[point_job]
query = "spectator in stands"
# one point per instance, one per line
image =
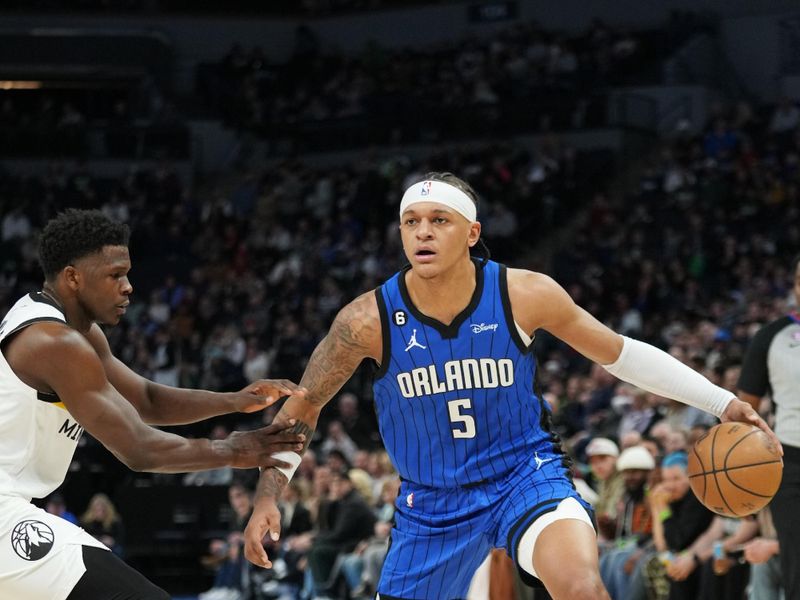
(338, 440)
(765, 567)
(785, 118)
(724, 572)
(226, 555)
(55, 506)
(362, 567)
(359, 424)
(678, 520)
(353, 522)
(602, 455)
(638, 415)
(633, 527)
(102, 521)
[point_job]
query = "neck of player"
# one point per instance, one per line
(76, 318)
(444, 296)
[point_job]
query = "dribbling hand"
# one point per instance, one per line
(263, 393)
(739, 410)
(266, 518)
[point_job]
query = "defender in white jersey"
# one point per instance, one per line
(491, 493)
(57, 378)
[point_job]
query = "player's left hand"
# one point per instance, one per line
(263, 393)
(739, 410)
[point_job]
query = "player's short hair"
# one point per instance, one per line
(456, 182)
(76, 233)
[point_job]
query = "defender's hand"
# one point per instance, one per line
(255, 448)
(263, 393)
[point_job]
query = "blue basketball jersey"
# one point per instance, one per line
(456, 403)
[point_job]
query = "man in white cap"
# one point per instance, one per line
(601, 454)
(634, 523)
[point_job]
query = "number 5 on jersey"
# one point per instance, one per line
(466, 421)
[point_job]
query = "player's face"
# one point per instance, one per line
(102, 284)
(435, 237)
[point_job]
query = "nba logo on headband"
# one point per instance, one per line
(441, 192)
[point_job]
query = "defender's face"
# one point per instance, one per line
(435, 237)
(102, 285)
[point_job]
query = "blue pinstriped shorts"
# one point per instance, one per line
(441, 536)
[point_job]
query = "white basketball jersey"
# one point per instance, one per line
(38, 436)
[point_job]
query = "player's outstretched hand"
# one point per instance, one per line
(264, 392)
(255, 448)
(739, 410)
(266, 518)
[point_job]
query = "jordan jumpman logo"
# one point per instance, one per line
(413, 343)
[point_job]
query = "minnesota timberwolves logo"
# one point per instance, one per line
(32, 540)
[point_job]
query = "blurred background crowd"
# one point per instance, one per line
(680, 231)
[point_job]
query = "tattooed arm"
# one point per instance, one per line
(354, 335)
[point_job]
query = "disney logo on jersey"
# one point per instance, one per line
(478, 328)
(464, 374)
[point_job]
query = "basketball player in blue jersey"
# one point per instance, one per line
(59, 377)
(457, 410)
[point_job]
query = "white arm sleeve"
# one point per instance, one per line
(654, 370)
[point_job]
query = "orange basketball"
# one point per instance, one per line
(735, 469)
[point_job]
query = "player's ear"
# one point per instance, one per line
(72, 276)
(474, 233)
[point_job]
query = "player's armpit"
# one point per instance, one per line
(61, 359)
(537, 301)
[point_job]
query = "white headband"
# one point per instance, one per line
(442, 193)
